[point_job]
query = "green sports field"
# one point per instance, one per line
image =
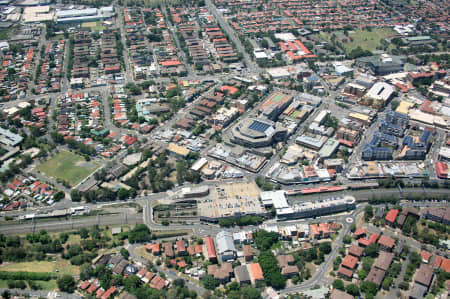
(69, 167)
(367, 40)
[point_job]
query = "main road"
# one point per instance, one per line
(252, 67)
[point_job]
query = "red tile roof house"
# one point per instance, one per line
(320, 230)
(191, 250)
(211, 251)
(99, 293)
(386, 243)
(181, 264)
(391, 216)
(360, 232)
(157, 283)
(436, 261)
(363, 242)
(344, 272)
(181, 247)
(349, 262)
(198, 249)
(425, 255)
(108, 293)
(373, 238)
(153, 248)
(356, 251)
(84, 285)
(141, 273)
(445, 265)
(156, 250)
(148, 277)
(94, 286)
(168, 250)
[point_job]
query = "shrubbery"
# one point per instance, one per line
(20, 275)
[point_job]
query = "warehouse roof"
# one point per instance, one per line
(225, 242)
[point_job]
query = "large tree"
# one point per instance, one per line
(352, 289)
(131, 283)
(66, 283)
(209, 282)
(339, 284)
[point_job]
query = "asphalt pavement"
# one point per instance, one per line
(41, 294)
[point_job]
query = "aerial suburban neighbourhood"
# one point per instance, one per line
(224, 149)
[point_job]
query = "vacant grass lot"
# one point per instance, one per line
(63, 266)
(69, 167)
(367, 40)
(48, 285)
(44, 285)
(94, 26)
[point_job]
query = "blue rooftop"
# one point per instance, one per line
(259, 126)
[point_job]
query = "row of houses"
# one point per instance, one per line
(95, 60)
(15, 72)
(221, 251)
(395, 218)
(27, 191)
(49, 77)
(276, 15)
(140, 54)
(122, 267)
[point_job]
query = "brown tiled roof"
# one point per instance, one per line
(386, 241)
(247, 250)
(168, 249)
(227, 267)
(344, 271)
(376, 276)
(384, 260)
(221, 274)
(212, 269)
(338, 294)
(355, 250)
(289, 270)
(285, 260)
(424, 275)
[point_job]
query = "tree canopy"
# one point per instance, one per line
(66, 283)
